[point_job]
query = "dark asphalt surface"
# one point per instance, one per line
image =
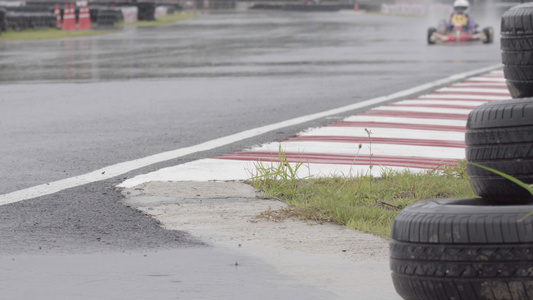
(69, 107)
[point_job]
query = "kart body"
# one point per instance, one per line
(457, 33)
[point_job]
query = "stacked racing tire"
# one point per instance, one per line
(480, 248)
(517, 50)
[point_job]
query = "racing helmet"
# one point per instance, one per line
(461, 6)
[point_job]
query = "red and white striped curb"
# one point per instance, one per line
(418, 134)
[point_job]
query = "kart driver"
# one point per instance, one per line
(460, 17)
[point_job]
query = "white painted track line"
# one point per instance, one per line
(386, 133)
(352, 149)
(466, 97)
(425, 109)
(360, 118)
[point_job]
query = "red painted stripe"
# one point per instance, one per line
(398, 125)
(435, 105)
(390, 161)
(470, 93)
(377, 140)
(416, 115)
(455, 99)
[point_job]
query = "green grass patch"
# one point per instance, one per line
(46, 34)
(164, 20)
(366, 203)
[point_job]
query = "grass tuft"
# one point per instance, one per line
(366, 203)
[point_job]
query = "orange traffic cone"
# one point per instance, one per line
(68, 18)
(57, 12)
(72, 17)
(84, 19)
(356, 7)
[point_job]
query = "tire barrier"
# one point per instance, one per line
(28, 20)
(303, 7)
(480, 248)
(109, 16)
(419, 9)
(499, 133)
(27, 17)
(146, 11)
(3, 22)
(37, 14)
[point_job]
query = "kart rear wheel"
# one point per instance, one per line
(431, 31)
(489, 33)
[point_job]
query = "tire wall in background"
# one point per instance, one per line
(3, 24)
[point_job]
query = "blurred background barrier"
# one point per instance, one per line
(160, 11)
(27, 20)
(109, 16)
(130, 13)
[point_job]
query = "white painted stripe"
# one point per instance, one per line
(223, 169)
(425, 109)
(352, 148)
(392, 133)
(475, 90)
(463, 97)
(122, 168)
(359, 118)
(440, 102)
(492, 84)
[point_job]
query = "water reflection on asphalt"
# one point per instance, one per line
(233, 44)
(203, 273)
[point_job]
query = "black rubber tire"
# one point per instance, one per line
(520, 89)
(500, 114)
(518, 73)
(517, 44)
(500, 136)
(517, 21)
(430, 33)
(489, 32)
(517, 58)
(462, 249)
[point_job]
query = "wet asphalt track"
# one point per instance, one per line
(73, 106)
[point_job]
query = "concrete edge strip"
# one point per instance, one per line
(125, 167)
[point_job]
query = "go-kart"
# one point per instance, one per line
(456, 33)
